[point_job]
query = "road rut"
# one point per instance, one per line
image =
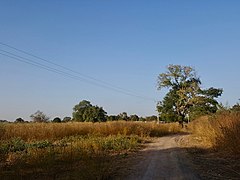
(163, 159)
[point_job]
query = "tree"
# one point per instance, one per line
(66, 119)
(134, 117)
(123, 116)
(39, 117)
(80, 109)
(19, 120)
(207, 103)
(112, 118)
(57, 120)
(235, 107)
(142, 119)
(185, 95)
(86, 112)
(166, 108)
(3, 121)
(151, 118)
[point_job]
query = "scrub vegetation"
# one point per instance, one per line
(220, 132)
(88, 150)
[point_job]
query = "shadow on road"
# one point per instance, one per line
(164, 159)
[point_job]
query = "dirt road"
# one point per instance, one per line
(163, 159)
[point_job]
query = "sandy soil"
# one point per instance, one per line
(176, 157)
(209, 164)
(162, 159)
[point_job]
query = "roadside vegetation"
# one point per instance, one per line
(88, 150)
(219, 132)
(214, 144)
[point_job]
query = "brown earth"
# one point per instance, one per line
(175, 157)
(160, 159)
(210, 164)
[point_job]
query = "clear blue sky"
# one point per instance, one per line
(125, 43)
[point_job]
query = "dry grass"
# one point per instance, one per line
(54, 131)
(204, 131)
(220, 132)
(228, 138)
(86, 150)
(90, 156)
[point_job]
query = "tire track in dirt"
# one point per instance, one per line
(163, 159)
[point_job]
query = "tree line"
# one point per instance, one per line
(84, 111)
(185, 101)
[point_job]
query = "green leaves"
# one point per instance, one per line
(39, 117)
(175, 76)
(86, 112)
(185, 95)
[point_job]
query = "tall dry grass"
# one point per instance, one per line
(229, 137)
(54, 131)
(90, 157)
(84, 149)
(220, 132)
(204, 130)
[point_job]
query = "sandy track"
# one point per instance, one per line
(163, 159)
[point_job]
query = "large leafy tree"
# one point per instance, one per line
(123, 116)
(207, 103)
(134, 117)
(185, 96)
(86, 112)
(39, 116)
(56, 120)
(19, 120)
(236, 107)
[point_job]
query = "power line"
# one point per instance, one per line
(42, 66)
(66, 68)
(70, 75)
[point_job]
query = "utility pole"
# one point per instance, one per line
(158, 119)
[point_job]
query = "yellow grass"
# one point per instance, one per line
(229, 137)
(205, 131)
(86, 149)
(220, 132)
(53, 131)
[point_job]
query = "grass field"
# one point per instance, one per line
(90, 150)
(87, 150)
(219, 132)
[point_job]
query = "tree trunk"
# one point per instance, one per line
(181, 121)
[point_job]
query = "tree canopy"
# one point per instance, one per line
(39, 116)
(86, 112)
(19, 120)
(185, 96)
(56, 120)
(66, 119)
